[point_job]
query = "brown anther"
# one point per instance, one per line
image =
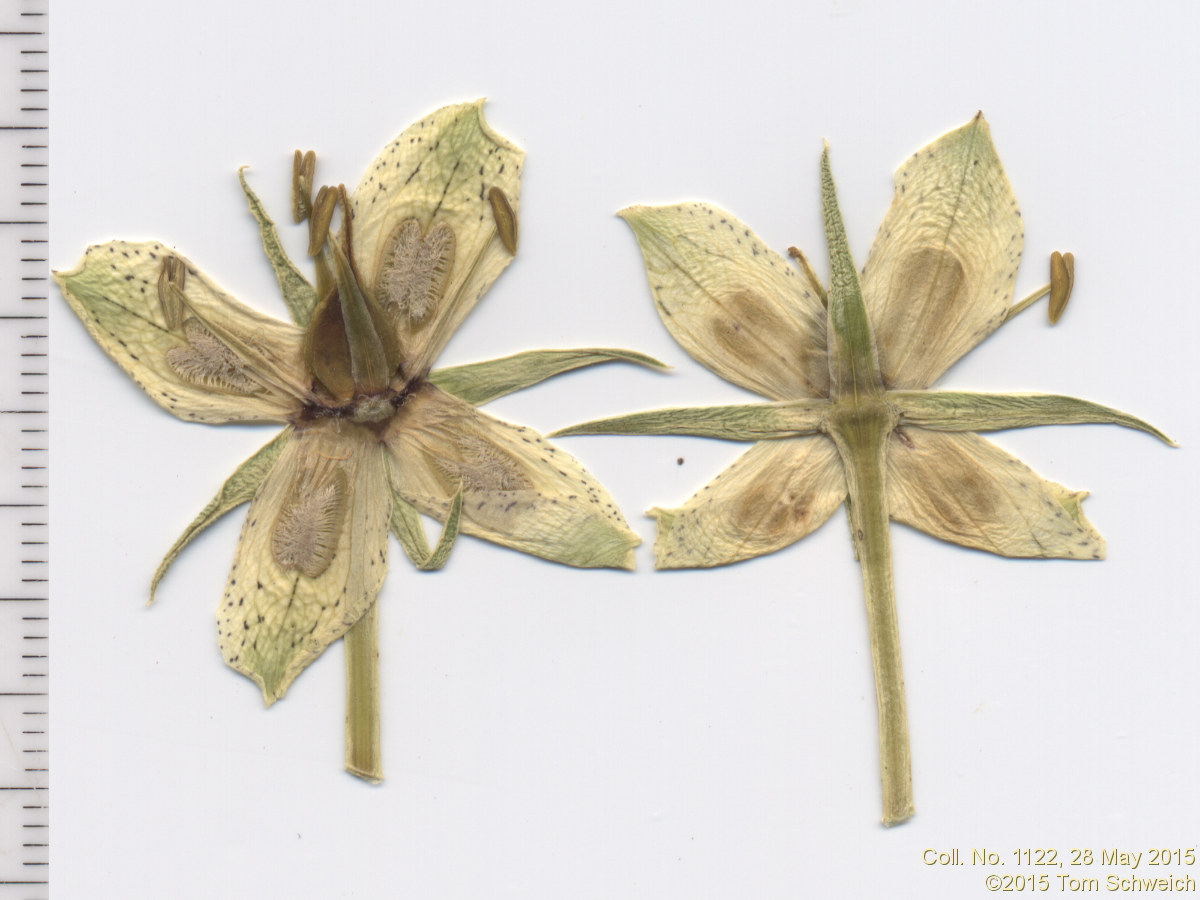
(805, 266)
(1062, 280)
(322, 215)
(347, 223)
(506, 219)
(171, 276)
(303, 168)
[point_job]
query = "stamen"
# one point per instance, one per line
(322, 215)
(1062, 280)
(506, 219)
(303, 168)
(806, 267)
(347, 225)
(171, 277)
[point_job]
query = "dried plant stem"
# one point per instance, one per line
(362, 698)
(861, 440)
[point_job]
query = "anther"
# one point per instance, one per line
(1062, 280)
(322, 215)
(806, 267)
(303, 168)
(506, 219)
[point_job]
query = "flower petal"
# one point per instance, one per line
(425, 200)
(519, 490)
(210, 359)
(311, 558)
(774, 494)
(964, 489)
(732, 303)
(940, 275)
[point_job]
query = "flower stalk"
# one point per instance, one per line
(362, 698)
(861, 440)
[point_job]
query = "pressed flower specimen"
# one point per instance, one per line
(372, 437)
(848, 369)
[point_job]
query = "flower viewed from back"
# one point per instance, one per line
(371, 436)
(849, 370)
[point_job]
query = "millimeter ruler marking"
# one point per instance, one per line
(24, 450)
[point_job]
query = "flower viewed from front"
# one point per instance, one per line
(373, 438)
(849, 370)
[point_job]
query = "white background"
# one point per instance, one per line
(550, 733)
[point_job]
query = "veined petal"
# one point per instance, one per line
(208, 359)
(518, 489)
(964, 489)
(732, 303)
(774, 494)
(425, 237)
(940, 275)
(311, 558)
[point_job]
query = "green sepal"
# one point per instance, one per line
(751, 422)
(238, 489)
(853, 366)
(478, 383)
(965, 411)
(299, 296)
(441, 552)
(406, 525)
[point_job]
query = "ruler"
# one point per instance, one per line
(24, 450)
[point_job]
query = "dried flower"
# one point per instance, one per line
(372, 436)
(848, 370)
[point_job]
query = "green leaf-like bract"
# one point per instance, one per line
(748, 422)
(965, 411)
(441, 552)
(406, 526)
(478, 383)
(238, 489)
(298, 294)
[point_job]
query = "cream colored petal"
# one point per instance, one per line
(435, 176)
(311, 558)
(966, 490)
(733, 304)
(940, 275)
(774, 494)
(519, 490)
(212, 359)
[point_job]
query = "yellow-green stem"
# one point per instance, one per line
(362, 698)
(861, 436)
